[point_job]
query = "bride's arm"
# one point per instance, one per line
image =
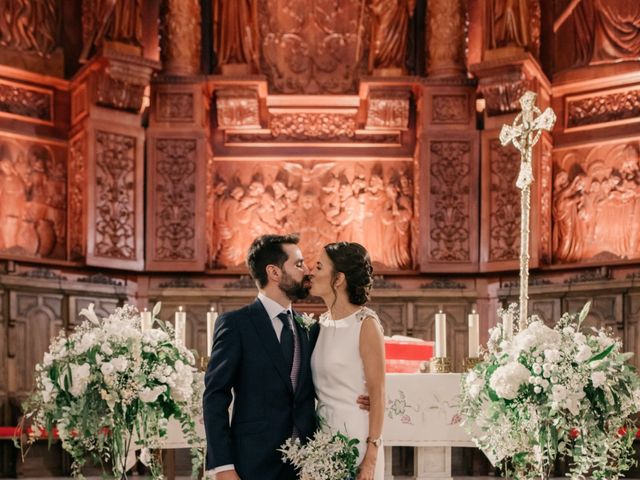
(372, 354)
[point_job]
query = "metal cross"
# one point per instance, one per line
(524, 133)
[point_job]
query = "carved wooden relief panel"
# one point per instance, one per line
(34, 320)
(77, 195)
(31, 28)
(450, 194)
(25, 102)
(313, 47)
(604, 107)
(500, 204)
(325, 201)
(545, 183)
(115, 186)
(596, 203)
(33, 197)
(175, 232)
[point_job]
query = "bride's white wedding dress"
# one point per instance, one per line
(338, 376)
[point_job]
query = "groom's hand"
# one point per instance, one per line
(363, 402)
(227, 475)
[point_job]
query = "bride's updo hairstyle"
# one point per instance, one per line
(352, 259)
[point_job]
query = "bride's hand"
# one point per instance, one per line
(367, 469)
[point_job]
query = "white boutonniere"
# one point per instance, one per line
(305, 320)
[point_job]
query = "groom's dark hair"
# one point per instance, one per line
(267, 250)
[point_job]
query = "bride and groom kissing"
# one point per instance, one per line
(283, 374)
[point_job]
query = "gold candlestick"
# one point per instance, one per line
(204, 363)
(440, 365)
(471, 362)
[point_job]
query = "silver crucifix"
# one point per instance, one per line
(524, 133)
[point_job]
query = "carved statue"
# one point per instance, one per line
(29, 26)
(235, 32)
(603, 31)
(389, 33)
(126, 25)
(508, 24)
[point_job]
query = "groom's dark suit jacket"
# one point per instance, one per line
(247, 358)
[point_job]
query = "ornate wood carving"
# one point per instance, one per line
(180, 36)
(311, 48)
(174, 107)
(77, 197)
(502, 94)
(514, 23)
(450, 202)
(33, 197)
(235, 30)
(504, 203)
(116, 20)
(389, 34)
(596, 203)
(450, 109)
(545, 183)
(174, 199)
(323, 201)
(388, 110)
(29, 26)
(317, 126)
(446, 37)
(604, 108)
(237, 108)
(115, 196)
(119, 93)
(598, 32)
(27, 103)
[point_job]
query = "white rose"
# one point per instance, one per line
(120, 364)
(552, 355)
(507, 379)
(149, 395)
(584, 354)
(558, 393)
(79, 378)
(107, 369)
(537, 369)
(580, 339)
(106, 349)
(537, 389)
(598, 379)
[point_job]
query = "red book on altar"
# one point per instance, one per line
(406, 354)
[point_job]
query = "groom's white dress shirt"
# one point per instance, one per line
(273, 309)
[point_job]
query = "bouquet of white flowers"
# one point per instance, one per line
(554, 391)
(109, 383)
(327, 456)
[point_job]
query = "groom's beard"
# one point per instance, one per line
(293, 289)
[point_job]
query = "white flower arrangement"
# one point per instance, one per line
(550, 392)
(109, 383)
(326, 456)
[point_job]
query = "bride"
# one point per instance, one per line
(348, 358)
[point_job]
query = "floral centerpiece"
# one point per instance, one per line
(109, 387)
(549, 392)
(327, 456)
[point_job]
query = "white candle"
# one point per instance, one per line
(146, 320)
(507, 326)
(212, 316)
(181, 326)
(474, 335)
(441, 335)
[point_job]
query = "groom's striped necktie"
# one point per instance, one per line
(290, 344)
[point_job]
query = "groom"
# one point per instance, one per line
(263, 355)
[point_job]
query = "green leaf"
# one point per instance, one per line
(156, 309)
(584, 312)
(602, 354)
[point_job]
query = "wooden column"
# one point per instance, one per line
(177, 148)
